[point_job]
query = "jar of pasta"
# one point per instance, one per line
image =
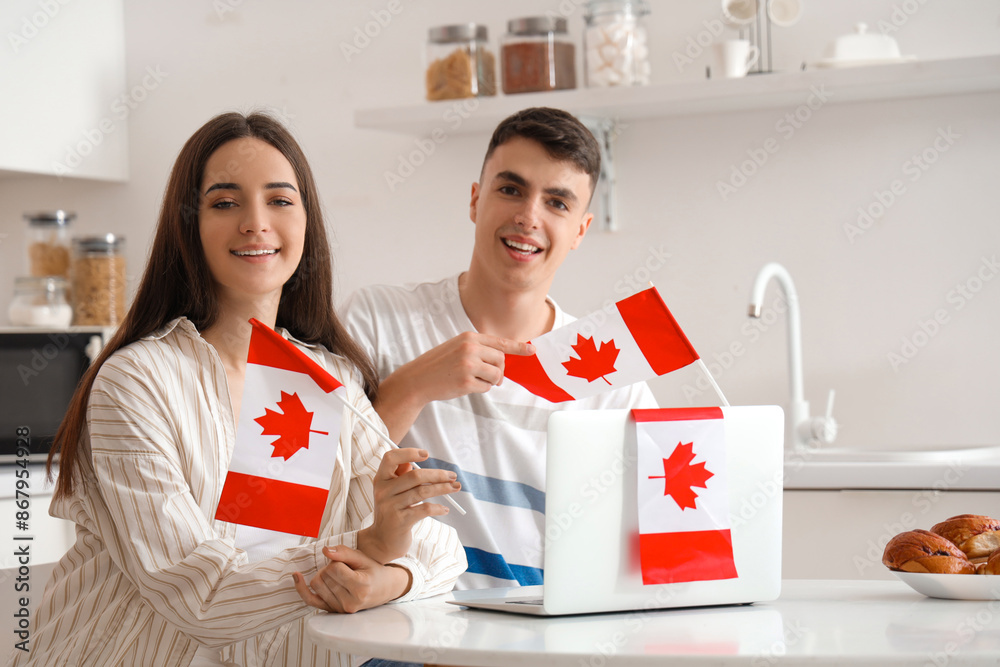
(47, 241)
(459, 62)
(97, 277)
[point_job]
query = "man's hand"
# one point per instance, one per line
(469, 363)
(351, 582)
(399, 492)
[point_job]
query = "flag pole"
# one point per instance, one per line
(384, 436)
(704, 369)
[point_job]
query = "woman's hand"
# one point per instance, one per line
(351, 582)
(400, 491)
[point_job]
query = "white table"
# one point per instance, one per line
(827, 622)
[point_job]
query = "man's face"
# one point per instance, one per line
(530, 210)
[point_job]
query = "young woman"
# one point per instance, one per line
(154, 579)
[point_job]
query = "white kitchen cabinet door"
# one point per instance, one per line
(62, 80)
(842, 534)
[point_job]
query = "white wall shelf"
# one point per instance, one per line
(959, 76)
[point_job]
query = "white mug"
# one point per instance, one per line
(734, 57)
(739, 12)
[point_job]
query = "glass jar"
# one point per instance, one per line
(537, 55)
(614, 42)
(47, 243)
(40, 302)
(98, 280)
(460, 63)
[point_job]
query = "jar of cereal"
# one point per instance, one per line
(98, 280)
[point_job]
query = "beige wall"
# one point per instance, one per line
(859, 300)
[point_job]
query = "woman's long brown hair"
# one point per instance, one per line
(177, 281)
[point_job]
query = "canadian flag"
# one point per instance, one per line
(286, 441)
(637, 340)
(683, 495)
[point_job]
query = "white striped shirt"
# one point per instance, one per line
(494, 442)
(152, 574)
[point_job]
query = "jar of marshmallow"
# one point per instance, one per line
(614, 41)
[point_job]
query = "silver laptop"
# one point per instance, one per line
(592, 519)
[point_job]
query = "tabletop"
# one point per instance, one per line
(813, 622)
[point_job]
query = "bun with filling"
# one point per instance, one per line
(923, 551)
(992, 566)
(977, 536)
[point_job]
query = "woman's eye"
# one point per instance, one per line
(283, 202)
(224, 203)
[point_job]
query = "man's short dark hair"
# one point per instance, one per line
(559, 132)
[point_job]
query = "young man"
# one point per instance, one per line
(439, 347)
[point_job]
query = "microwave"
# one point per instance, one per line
(39, 372)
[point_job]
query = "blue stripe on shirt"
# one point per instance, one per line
(492, 489)
(494, 565)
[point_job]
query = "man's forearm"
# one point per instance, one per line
(397, 405)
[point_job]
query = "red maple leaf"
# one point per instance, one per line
(292, 424)
(593, 363)
(679, 476)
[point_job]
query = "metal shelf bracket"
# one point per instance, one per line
(605, 130)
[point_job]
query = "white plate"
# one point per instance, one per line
(953, 586)
(834, 63)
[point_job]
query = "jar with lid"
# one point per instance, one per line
(98, 280)
(615, 48)
(459, 62)
(47, 243)
(537, 55)
(40, 301)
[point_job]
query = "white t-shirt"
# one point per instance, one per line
(495, 441)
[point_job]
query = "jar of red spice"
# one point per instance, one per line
(537, 55)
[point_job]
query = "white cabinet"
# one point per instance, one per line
(62, 73)
(831, 534)
(50, 537)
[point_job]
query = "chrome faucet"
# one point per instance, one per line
(803, 431)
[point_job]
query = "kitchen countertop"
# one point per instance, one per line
(815, 622)
(941, 470)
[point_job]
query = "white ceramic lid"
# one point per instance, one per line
(863, 45)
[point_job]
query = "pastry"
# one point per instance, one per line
(977, 536)
(991, 566)
(923, 551)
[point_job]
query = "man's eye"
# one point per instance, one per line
(508, 190)
(556, 203)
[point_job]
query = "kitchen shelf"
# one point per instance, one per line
(958, 76)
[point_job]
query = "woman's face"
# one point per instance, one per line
(251, 220)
